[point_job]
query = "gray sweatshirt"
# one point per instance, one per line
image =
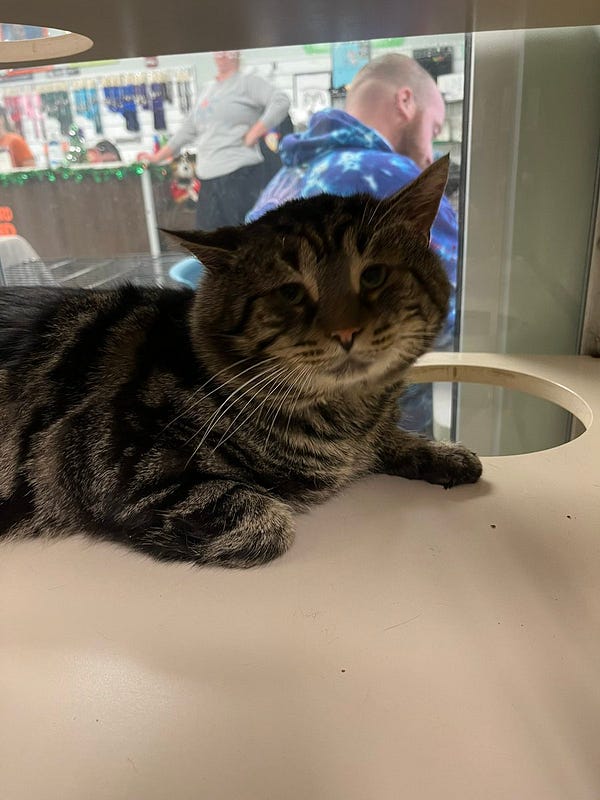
(223, 114)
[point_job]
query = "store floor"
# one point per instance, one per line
(414, 643)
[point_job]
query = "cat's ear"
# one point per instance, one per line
(215, 249)
(417, 204)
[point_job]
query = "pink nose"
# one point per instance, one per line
(346, 337)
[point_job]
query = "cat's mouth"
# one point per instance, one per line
(351, 365)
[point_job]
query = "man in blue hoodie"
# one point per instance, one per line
(381, 142)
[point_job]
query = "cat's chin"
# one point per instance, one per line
(350, 367)
(356, 369)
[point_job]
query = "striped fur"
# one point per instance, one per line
(190, 426)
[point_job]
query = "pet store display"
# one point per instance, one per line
(45, 111)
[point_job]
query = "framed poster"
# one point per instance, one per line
(311, 92)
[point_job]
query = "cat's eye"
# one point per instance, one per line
(292, 293)
(373, 277)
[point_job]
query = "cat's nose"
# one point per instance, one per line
(346, 337)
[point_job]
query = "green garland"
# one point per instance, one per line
(376, 44)
(101, 175)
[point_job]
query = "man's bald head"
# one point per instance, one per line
(399, 99)
(389, 73)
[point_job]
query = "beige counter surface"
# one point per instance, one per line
(415, 644)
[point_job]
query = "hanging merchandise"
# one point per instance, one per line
(44, 111)
(55, 154)
(121, 100)
(13, 106)
(25, 111)
(129, 108)
(32, 109)
(58, 105)
(159, 92)
(77, 152)
(167, 91)
(87, 105)
(141, 94)
(111, 98)
(184, 93)
(129, 93)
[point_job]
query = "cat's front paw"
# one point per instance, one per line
(454, 465)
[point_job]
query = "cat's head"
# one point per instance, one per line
(336, 289)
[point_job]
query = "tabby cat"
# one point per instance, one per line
(191, 425)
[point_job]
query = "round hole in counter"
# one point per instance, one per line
(501, 412)
(24, 43)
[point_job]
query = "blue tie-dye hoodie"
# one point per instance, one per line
(337, 154)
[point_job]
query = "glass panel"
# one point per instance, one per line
(88, 210)
(535, 132)
(88, 126)
(133, 106)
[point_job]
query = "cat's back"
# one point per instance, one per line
(41, 323)
(24, 313)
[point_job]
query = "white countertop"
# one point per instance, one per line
(414, 644)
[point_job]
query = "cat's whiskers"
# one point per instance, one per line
(375, 210)
(281, 404)
(362, 218)
(272, 410)
(293, 411)
(278, 380)
(239, 375)
(253, 383)
(191, 402)
(308, 377)
(215, 416)
(382, 218)
(220, 412)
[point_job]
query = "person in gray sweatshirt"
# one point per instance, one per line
(233, 112)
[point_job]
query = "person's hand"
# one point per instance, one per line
(256, 132)
(250, 139)
(146, 158)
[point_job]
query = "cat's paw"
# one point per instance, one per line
(454, 465)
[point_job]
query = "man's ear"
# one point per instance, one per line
(417, 204)
(215, 249)
(405, 103)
